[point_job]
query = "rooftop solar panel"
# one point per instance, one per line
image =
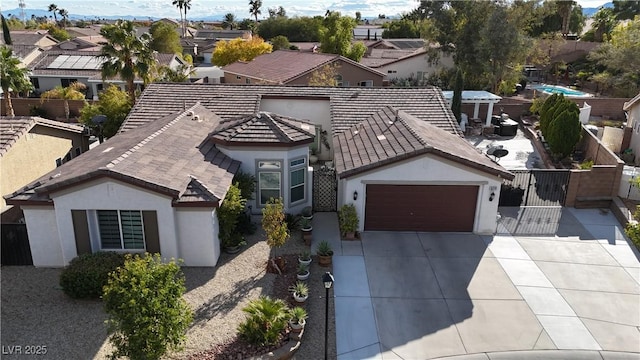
(55, 64)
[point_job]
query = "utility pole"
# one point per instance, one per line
(22, 6)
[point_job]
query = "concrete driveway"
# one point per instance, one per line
(551, 279)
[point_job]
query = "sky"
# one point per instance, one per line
(204, 8)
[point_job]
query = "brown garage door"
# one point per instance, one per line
(420, 207)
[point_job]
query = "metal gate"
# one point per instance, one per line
(539, 187)
(15, 245)
(325, 189)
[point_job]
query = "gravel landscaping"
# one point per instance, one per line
(36, 312)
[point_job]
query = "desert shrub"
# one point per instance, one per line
(228, 214)
(246, 183)
(266, 319)
(633, 228)
(85, 275)
(293, 221)
(147, 314)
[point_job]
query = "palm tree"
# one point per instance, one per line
(12, 77)
(126, 55)
(71, 92)
(65, 16)
(229, 21)
(187, 6)
(54, 9)
(254, 8)
(180, 4)
(564, 8)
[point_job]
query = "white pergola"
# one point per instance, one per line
(476, 98)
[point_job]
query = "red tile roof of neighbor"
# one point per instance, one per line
(12, 129)
(283, 66)
(391, 135)
(170, 155)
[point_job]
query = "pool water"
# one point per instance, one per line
(552, 89)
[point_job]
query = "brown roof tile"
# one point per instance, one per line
(391, 135)
(264, 128)
(170, 155)
(349, 106)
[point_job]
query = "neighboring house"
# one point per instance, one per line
(300, 66)
(32, 146)
(404, 59)
(88, 43)
(64, 67)
(198, 47)
(368, 32)
(89, 31)
(632, 109)
(39, 38)
(26, 53)
(399, 157)
(223, 34)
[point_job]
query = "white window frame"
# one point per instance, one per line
(262, 167)
(298, 164)
(122, 245)
(366, 83)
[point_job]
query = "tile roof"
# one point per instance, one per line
(280, 66)
(21, 51)
(11, 129)
(264, 128)
(171, 156)
(348, 105)
(381, 57)
(28, 37)
(391, 135)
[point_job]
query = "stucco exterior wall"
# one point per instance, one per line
(33, 155)
(43, 236)
(427, 170)
(198, 236)
(318, 111)
(409, 68)
(248, 157)
(108, 194)
(633, 121)
(351, 75)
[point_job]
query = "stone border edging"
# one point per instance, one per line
(285, 352)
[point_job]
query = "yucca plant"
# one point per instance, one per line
(266, 319)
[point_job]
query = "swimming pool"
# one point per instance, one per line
(554, 89)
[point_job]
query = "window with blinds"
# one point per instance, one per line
(121, 229)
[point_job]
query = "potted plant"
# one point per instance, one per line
(307, 212)
(303, 272)
(348, 220)
(307, 230)
(233, 243)
(325, 252)
(300, 291)
(304, 258)
(297, 319)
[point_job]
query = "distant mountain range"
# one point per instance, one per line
(217, 17)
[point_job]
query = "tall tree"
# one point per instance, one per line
(227, 52)
(335, 37)
(180, 5)
(53, 8)
(564, 8)
(113, 103)
(164, 38)
(186, 7)
(254, 8)
(126, 55)
(229, 21)
(6, 33)
(65, 17)
(71, 92)
(13, 77)
(603, 23)
(625, 9)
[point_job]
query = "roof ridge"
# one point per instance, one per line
(139, 145)
(199, 183)
(410, 128)
(277, 124)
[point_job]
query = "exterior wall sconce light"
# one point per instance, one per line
(492, 196)
(355, 195)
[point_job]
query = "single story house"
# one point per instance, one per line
(269, 69)
(32, 146)
(63, 67)
(40, 38)
(398, 153)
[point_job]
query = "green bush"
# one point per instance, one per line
(633, 232)
(147, 314)
(266, 320)
(85, 275)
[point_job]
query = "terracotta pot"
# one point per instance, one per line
(350, 236)
(324, 261)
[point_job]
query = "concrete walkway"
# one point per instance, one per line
(551, 279)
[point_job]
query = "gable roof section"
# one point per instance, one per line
(283, 66)
(382, 57)
(27, 37)
(391, 135)
(12, 129)
(629, 104)
(264, 128)
(170, 156)
(349, 106)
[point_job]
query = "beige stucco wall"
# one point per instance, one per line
(33, 155)
(410, 67)
(350, 73)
